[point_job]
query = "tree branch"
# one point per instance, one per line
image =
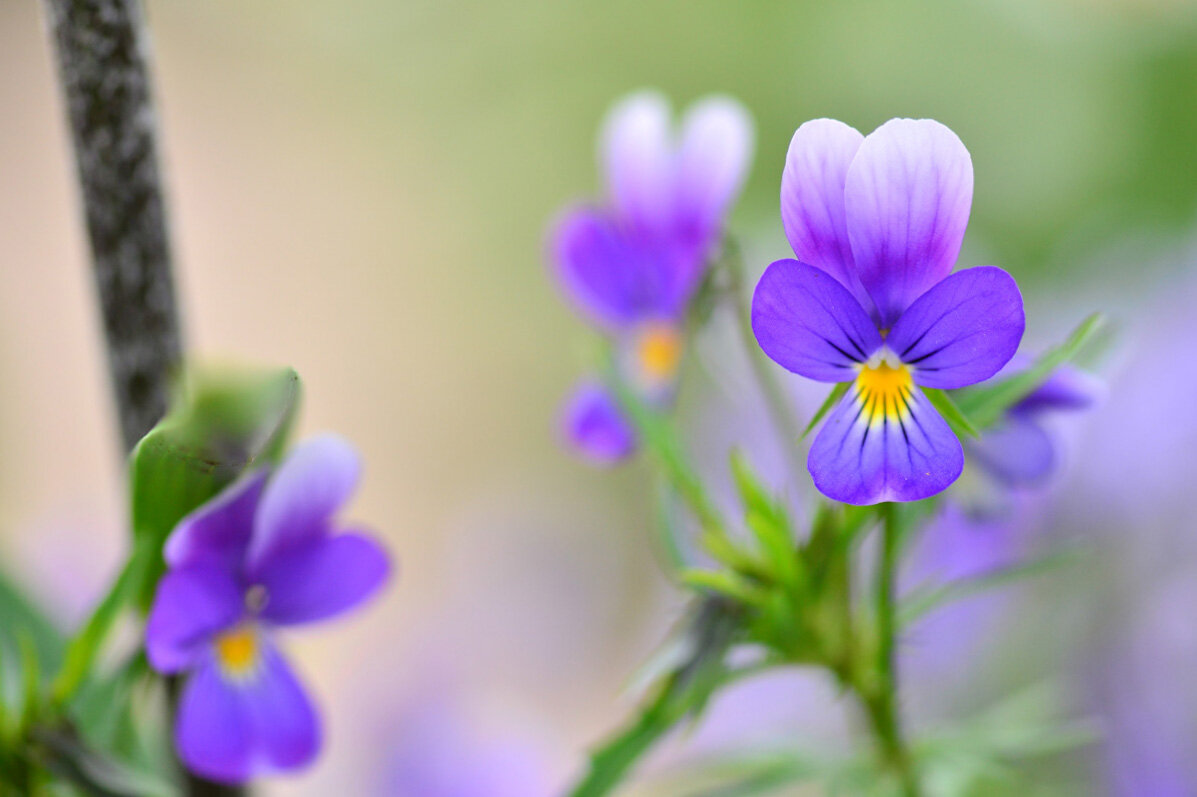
(102, 53)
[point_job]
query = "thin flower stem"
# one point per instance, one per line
(780, 405)
(881, 697)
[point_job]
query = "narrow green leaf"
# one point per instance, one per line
(31, 697)
(959, 422)
(985, 405)
(86, 645)
(927, 600)
(832, 399)
(724, 583)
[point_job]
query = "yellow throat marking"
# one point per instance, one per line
(659, 352)
(238, 652)
(884, 391)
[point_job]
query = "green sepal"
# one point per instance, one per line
(222, 424)
(951, 413)
(832, 399)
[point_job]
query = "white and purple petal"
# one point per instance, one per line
(219, 531)
(905, 454)
(907, 198)
(301, 498)
(594, 426)
(321, 579)
(232, 730)
(812, 200)
(963, 330)
(637, 151)
(712, 161)
(809, 323)
(191, 606)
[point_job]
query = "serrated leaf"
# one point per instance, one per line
(832, 399)
(956, 419)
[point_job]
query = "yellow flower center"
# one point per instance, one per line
(238, 651)
(884, 391)
(659, 352)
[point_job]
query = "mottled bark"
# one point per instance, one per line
(102, 53)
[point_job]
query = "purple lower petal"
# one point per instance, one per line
(907, 197)
(219, 531)
(1016, 452)
(595, 427)
(285, 726)
(192, 604)
(212, 732)
(963, 330)
(812, 200)
(900, 453)
(809, 323)
(233, 729)
(316, 478)
(329, 576)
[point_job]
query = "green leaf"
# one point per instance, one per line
(832, 399)
(728, 584)
(985, 405)
(925, 601)
(85, 646)
(959, 422)
(222, 424)
(683, 693)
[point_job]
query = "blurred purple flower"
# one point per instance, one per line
(440, 752)
(1144, 693)
(632, 265)
(261, 554)
(876, 224)
(1019, 451)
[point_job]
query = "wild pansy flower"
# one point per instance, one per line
(1019, 451)
(261, 555)
(632, 264)
(876, 223)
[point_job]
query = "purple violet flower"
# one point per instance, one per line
(632, 265)
(262, 554)
(876, 224)
(1019, 451)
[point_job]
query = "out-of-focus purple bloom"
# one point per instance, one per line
(1144, 694)
(440, 752)
(1019, 451)
(957, 546)
(262, 554)
(593, 423)
(632, 264)
(876, 224)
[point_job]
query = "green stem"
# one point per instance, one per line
(880, 695)
(780, 405)
(661, 438)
